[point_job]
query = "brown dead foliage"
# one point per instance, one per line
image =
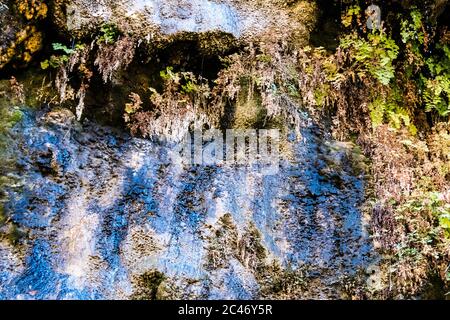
(114, 57)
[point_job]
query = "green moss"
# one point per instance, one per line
(216, 43)
(321, 94)
(10, 115)
(2, 215)
(222, 244)
(249, 112)
(11, 97)
(283, 283)
(250, 249)
(147, 285)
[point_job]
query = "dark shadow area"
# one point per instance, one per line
(435, 289)
(185, 53)
(328, 25)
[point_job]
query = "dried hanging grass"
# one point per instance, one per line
(113, 57)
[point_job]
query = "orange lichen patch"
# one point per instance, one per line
(32, 9)
(23, 34)
(34, 42)
(27, 42)
(7, 55)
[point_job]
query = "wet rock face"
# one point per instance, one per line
(110, 216)
(146, 17)
(190, 16)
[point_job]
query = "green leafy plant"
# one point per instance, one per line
(441, 210)
(436, 91)
(321, 94)
(186, 80)
(433, 71)
(388, 108)
(189, 87)
(9, 117)
(434, 203)
(61, 56)
(61, 47)
(374, 55)
(109, 33)
(190, 83)
(169, 75)
(412, 30)
(347, 17)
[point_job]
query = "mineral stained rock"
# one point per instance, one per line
(145, 17)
